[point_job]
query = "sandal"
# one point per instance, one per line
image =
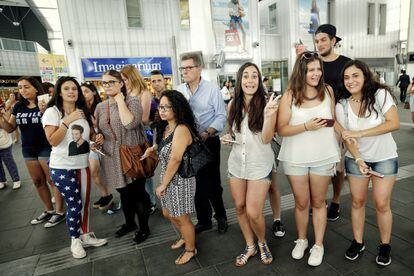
(242, 259)
(178, 243)
(265, 254)
(178, 260)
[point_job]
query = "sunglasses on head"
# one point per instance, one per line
(309, 55)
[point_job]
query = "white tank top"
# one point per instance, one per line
(311, 148)
(250, 158)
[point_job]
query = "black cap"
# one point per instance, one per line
(328, 29)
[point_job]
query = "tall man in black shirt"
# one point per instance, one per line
(333, 63)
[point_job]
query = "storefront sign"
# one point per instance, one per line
(93, 68)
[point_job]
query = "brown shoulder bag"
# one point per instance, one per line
(130, 157)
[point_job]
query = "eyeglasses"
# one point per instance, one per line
(164, 108)
(109, 83)
(309, 55)
(187, 68)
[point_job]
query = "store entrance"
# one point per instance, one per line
(277, 73)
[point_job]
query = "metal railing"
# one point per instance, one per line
(10, 44)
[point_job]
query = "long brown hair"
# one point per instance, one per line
(256, 105)
(369, 89)
(297, 81)
(135, 79)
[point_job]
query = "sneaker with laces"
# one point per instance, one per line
(299, 250)
(278, 229)
(316, 255)
(16, 185)
(78, 252)
(333, 211)
(353, 251)
(55, 220)
(45, 216)
(2, 185)
(89, 239)
(383, 258)
(106, 201)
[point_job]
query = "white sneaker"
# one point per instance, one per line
(316, 255)
(77, 250)
(90, 239)
(299, 250)
(2, 185)
(16, 185)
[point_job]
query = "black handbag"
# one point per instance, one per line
(195, 157)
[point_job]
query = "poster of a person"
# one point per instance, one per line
(312, 13)
(231, 27)
(78, 145)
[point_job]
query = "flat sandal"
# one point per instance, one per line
(178, 243)
(182, 255)
(242, 259)
(265, 254)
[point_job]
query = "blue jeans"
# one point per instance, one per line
(7, 157)
(387, 167)
(149, 187)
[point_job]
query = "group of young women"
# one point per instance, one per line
(308, 117)
(80, 136)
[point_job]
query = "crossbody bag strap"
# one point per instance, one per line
(109, 122)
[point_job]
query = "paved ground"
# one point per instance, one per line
(28, 250)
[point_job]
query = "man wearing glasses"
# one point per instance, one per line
(208, 106)
(333, 63)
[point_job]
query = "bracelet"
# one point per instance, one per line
(65, 125)
(306, 129)
(359, 158)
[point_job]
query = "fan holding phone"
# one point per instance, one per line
(368, 113)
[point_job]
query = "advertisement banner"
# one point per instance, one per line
(93, 68)
(231, 27)
(52, 67)
(312, 13)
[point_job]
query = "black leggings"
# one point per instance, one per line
(135, 200)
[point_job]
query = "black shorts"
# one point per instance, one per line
(33, 153)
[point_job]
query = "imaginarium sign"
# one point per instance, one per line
(93, 68)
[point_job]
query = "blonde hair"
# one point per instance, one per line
(134, 78)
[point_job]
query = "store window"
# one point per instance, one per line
(133, 8)
(273, 18)
(371, 18)
(382, 19)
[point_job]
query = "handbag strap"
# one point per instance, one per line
(109, 122)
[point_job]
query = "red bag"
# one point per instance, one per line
(232, 37)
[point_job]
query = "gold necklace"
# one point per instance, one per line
(355, 100)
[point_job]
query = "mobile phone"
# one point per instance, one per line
(96, 150)
(229, 141)
(376, 173)
(329, 122)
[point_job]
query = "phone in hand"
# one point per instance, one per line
(329, 122)
(229, 141)
(375, 173)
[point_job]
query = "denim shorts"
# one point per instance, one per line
(325, 170)
(266, 178)
(94, 155)
(32, 153)
(387, 167)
